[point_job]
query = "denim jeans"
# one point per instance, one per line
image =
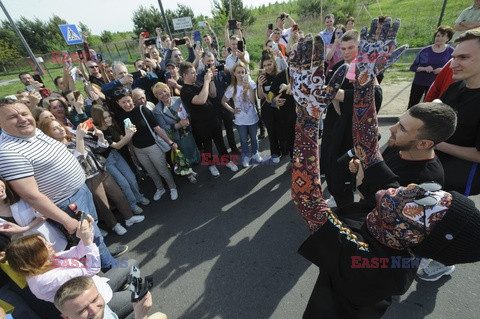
(123, 175)
(84, 201)
(244, 131)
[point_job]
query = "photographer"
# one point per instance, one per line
(82, 293)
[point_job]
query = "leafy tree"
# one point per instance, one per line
(106, 36)
(7, 34)
(221, 12)
(146, 19)
(7, 53)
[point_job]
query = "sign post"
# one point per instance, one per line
(71, 34)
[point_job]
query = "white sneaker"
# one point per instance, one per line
(137, 210)
(258, 158)
(214, 171)
(275, 159)
(434, 271)
(103, 232)
(173, 194)
(119, 229)
(331, 202)
(246, 161)
(144, 201)
(133, 220)
(232, 166)
(158, 194)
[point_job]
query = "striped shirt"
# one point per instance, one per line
(56, 171)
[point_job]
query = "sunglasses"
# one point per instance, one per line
(93, 66)
(122, 92)
(177, 55)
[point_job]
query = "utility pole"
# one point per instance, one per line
(22, 39)
(165, 19)
(441, 13)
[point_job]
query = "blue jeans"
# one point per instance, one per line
(123, 175)
(244, 131)
(84, 201)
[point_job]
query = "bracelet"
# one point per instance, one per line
(171, 144)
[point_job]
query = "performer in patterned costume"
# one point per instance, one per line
(356, 254)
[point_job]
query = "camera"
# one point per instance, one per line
(139, 287)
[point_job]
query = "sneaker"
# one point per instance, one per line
(434, 271)
(192, 179)
(261, 135)
(119, 229)
(232, 166)
(104, 233)
(195, 174)
(118, 251)
(173, 194)
(158, 194)
(134, 220)
(275, 159)
(246, 161)
(258, 158)
(214, 171)
(331, 202)
(137, 210)
(144, 201)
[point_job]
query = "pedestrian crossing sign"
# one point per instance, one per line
(71, 34)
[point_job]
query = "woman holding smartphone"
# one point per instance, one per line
(242, 90)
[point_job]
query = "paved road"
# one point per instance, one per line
(227, 249)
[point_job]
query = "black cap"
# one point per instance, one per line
(170, 62)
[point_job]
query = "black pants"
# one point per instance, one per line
(289, 119)
(208, 131)
(416, 93)
(272, 119)
(226, 117)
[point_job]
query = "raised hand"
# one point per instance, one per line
(374, 57)
(306, 69)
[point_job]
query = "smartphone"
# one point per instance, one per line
(66, 58)
(127, 122)
(76, 94)
(80, 54)
(245, 78)
(136, 74)
(232, 24)
(149, 42)
(220, 67)
(295, 27)
(37, 78)
(99, 57)
(270, 26)
(206, 68)
(147, 55)
(240, 45)
(30, 88)
(202, 24)
(261, 72)
(144, 34)
(168, 75)
(180, 41)
(81, 216)
(197, 36)
(89, 124)
(275, 47)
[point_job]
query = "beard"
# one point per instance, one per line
(402, 147)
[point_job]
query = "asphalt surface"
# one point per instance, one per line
(227, 249)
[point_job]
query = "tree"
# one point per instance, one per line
(221, 12)
(146, 19)
(106, 36)
(7, 53)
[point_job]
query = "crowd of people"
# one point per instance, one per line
(66, 153)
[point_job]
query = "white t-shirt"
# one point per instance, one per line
(248, 114)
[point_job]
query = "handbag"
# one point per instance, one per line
(158, 139)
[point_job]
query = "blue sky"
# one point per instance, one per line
(99, 15)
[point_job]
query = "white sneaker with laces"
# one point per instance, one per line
(134, 220)
(173, 194)
(434, 271)
(103, 232)
(246, 161)
(275, 159)
(119, 229)
(258, 158)
(214, 171)
(158, 194)
(232, 166)
(144, 201)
